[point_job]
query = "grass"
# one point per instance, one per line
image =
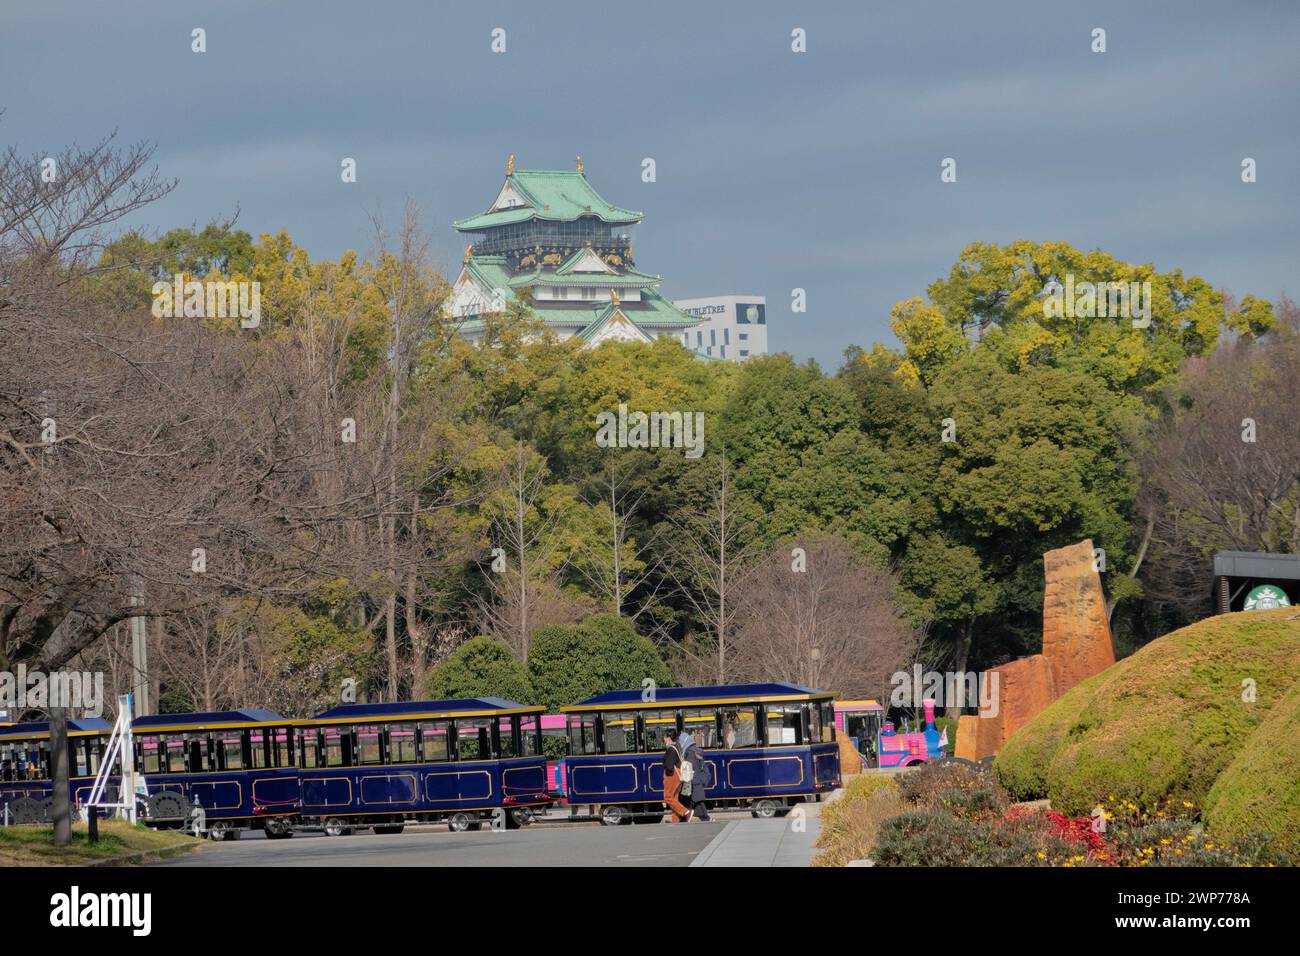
(34, 845)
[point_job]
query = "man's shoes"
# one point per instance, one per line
(690, 815)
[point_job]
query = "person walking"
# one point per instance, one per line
(693, 754)
(673, 778)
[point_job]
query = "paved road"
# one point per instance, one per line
(539, 845)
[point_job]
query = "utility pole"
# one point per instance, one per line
(139, 656)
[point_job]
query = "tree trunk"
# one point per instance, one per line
(62, 809)
(953, 709)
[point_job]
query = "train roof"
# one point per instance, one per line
(201, 720)
(702, 696)
(411, 709)
(41, 728)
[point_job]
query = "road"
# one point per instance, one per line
(542, 844)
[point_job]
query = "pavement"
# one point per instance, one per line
(782, 841)
(733, 838)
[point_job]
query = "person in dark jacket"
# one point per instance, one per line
(693, 753)
(673, 778)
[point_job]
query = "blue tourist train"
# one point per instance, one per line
(238, 765)
(25, 787)
(465, 761)
(767, 747)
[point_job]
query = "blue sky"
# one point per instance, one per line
(775, 170)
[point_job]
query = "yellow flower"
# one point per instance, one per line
(1042, 855)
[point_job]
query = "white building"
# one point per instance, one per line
(732, 327)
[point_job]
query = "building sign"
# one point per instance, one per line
(1265, 598)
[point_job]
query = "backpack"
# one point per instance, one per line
(687, 770)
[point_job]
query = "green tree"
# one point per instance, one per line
(481, 667)
(569, 663)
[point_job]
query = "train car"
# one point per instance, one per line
(465, 761)
(238, 765)
(767, 746)
(879, 742)
(555, 729)
(26, 787)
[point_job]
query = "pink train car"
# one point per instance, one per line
(877, 740)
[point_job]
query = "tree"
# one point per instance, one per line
(826, 619)
(1222, 469)
(481, 667)
(712, 549)
(569, 663)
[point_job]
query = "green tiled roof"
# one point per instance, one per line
(554, 195)
(491, 272)
(629, 280)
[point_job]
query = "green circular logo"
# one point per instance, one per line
(1265, 598)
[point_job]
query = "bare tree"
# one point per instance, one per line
(712, 549)
(1223, 468)
(825, 619)
(616, 564)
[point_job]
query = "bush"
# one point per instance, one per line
(933, 786)
(1163, 723)
(850, 823)
(1260, 790)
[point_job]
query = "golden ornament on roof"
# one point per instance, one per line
(613, 297)
(580, 169)
(469, 252)
(510, 165)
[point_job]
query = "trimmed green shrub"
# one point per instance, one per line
(1259, 793)
(1161, 724)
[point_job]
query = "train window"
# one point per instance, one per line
(151, 753)
(433, 741)
(176, 757)
(826, 712)
(337, 747)
(739, 728)
(582, 734)
(78, 749)
(309, 749)
(506, 741)
(620, 733)
(473, 741)
(530, 735)
(281, 747)
(368, 750)
(401, 744)
(656, 722)
(783, 724)
(230, 750)
(702, 724)
(257, 751)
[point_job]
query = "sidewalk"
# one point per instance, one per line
(784, 841)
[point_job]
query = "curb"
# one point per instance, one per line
(145, 856)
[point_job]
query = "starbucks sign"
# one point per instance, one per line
(1265, 598)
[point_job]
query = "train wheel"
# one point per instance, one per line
(766, 809)
(395, 828)
(460, 822)
(166, 807)
(222, 830)
(523, 816)
(613, 816)
(25, 810)
(335, 826)
(277, 829)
